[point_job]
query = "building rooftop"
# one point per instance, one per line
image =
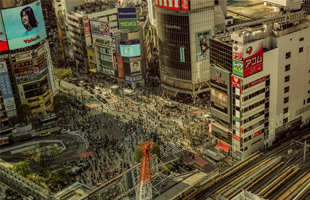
(250, 9)
(73, 192)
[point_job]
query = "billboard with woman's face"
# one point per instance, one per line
(24, 25)
(3, 42)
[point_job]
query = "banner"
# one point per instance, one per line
(6, 90)
(185, 5)
(135, 67)
(24, 25)
(168, 4)
(202, 45)
(127, 19)
(3, 41)
(253, 58)
(100, 27)
(86, 25)
(130, 49)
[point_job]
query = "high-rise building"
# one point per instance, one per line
(267, 93)
(27, 75)
(306, 6)
(184, 29)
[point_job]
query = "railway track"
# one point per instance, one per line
(258, 171)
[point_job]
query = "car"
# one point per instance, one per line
(107, 97)
(44, 133)
(25, 138)
(65, 130)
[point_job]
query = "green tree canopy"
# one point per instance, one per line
(61, 105)
(22, 168)
(138, 150)
(43, 156)
(63, 74)
(24, 113)
(168, 169)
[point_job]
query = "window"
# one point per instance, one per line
(286, 89)
(301, 39)
(285, 110)
(308, 100)
(288, 55)
(287, 67)
(287, 78)
(285, 120)
(286, 99)
(301, 49)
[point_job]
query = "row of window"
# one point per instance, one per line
(288, 54)
(254, 94)
(255, 125)
(255, 105)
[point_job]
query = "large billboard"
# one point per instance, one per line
(6, 90)
(169, 4)
(127, 19)
(219, 97)
(253, 58)
(202, 45)
(135, 67)
(3, 41)
(247, 59)
(24, 25)
(130, 48)
(100, 27)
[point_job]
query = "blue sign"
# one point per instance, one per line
(24, 25)
(127, 13)
(182, 54)
(130, 49)
(5, 84)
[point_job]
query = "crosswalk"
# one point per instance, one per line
(171, 149)
(99, 110)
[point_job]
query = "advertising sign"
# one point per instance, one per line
(135, 78)
(24, 25)
(168, 4)
(135, 67)
(24, 64)
(99, 27)
(119, 59)
(218, 97)
(6, 89)
(235, 81)
(253, 58)
(260, 80)
(86, 25)
(185, 5)
(127, 19)
(257, 133)
(238, 68)
(3, 41)
(130, 49)
(236, 137)
(202, 45)
(29, 72)
(91, 60)
(182, 54)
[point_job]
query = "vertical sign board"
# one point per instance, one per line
(252, 58)
(202, 45)
(185, 5)
(86, 25)
(237, 55)
(3, 42)
(127, 19)
(50, 68)
(182, 55)
(119, 59)
(6, 90)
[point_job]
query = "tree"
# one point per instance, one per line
(63, 74)
(24, 113)
(168, 169)
(22, 168)
(138, 150)
(61, 105)
(43, 156)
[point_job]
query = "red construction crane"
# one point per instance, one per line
(144, 189)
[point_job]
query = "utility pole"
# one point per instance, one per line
(305, 148)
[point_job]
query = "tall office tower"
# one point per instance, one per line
(184, 28)
(262, 91)
(26, 67)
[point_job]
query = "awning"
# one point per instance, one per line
(223, 146)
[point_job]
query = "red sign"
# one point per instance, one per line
(257, 133)
(185, 5)
(253, 58)
(235, 81)
(257, 81)
(168, 4)
(86, 24)
(120, 67)
(210, 128)
(236, 137)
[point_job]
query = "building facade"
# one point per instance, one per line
(27, 70)
(269, 83)
(183, 41)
